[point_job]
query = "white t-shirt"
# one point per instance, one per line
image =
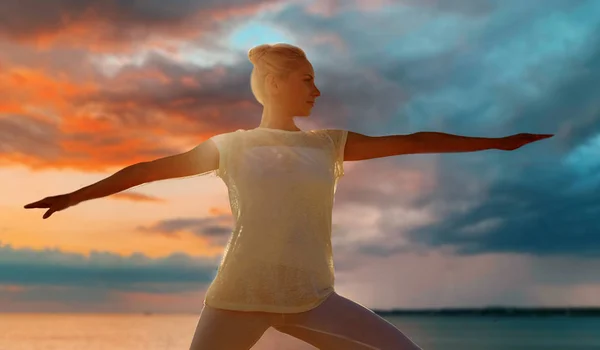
(281, 188)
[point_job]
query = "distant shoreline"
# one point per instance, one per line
(450, 312)
(495, 311)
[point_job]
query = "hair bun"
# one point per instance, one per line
(257, 52)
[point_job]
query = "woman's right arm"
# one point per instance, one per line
(201, 159)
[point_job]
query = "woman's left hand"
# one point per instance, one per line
(513, 142)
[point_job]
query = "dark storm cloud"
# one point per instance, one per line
(521, 217)
(534, 208)
(26, 18)
(573, 104)
(490, 201)
(420, 59)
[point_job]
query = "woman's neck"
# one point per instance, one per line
(277, 118)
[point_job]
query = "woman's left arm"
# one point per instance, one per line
(360, 147)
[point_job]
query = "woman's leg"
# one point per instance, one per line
(220, 329)
(340, 323)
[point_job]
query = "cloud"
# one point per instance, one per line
(115, 25)
(117, 122)
(333, 8)
(436, 279)
(475, 68)
(501, 79)
(161, 87)
(529, 201)
(28, 137)
(217, 228)
(467, 7)
(39, 144)
(136, 197)
(517, 216)
(572, 103)
(60, 281)
(177, 272)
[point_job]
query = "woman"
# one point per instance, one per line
(277, 268)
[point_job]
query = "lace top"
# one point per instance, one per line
(281, 187)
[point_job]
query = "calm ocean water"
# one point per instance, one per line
(174, 332)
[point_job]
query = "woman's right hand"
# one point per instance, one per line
(53, 203)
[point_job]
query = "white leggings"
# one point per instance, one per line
(337, 323)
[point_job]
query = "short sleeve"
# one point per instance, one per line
(338, 138)
(222, 142)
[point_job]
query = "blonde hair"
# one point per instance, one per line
(279, 59)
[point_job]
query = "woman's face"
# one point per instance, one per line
(299, 92)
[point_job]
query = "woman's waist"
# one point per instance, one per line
(278, 263)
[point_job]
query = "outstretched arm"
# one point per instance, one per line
(360, 147)
(201, 159)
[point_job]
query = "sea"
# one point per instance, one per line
(174, 332)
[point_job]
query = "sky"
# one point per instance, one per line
(91, 86)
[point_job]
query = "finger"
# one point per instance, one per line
(48, 213)
(38, 204)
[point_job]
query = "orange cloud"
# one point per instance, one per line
(26, 90)
(51, 121)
